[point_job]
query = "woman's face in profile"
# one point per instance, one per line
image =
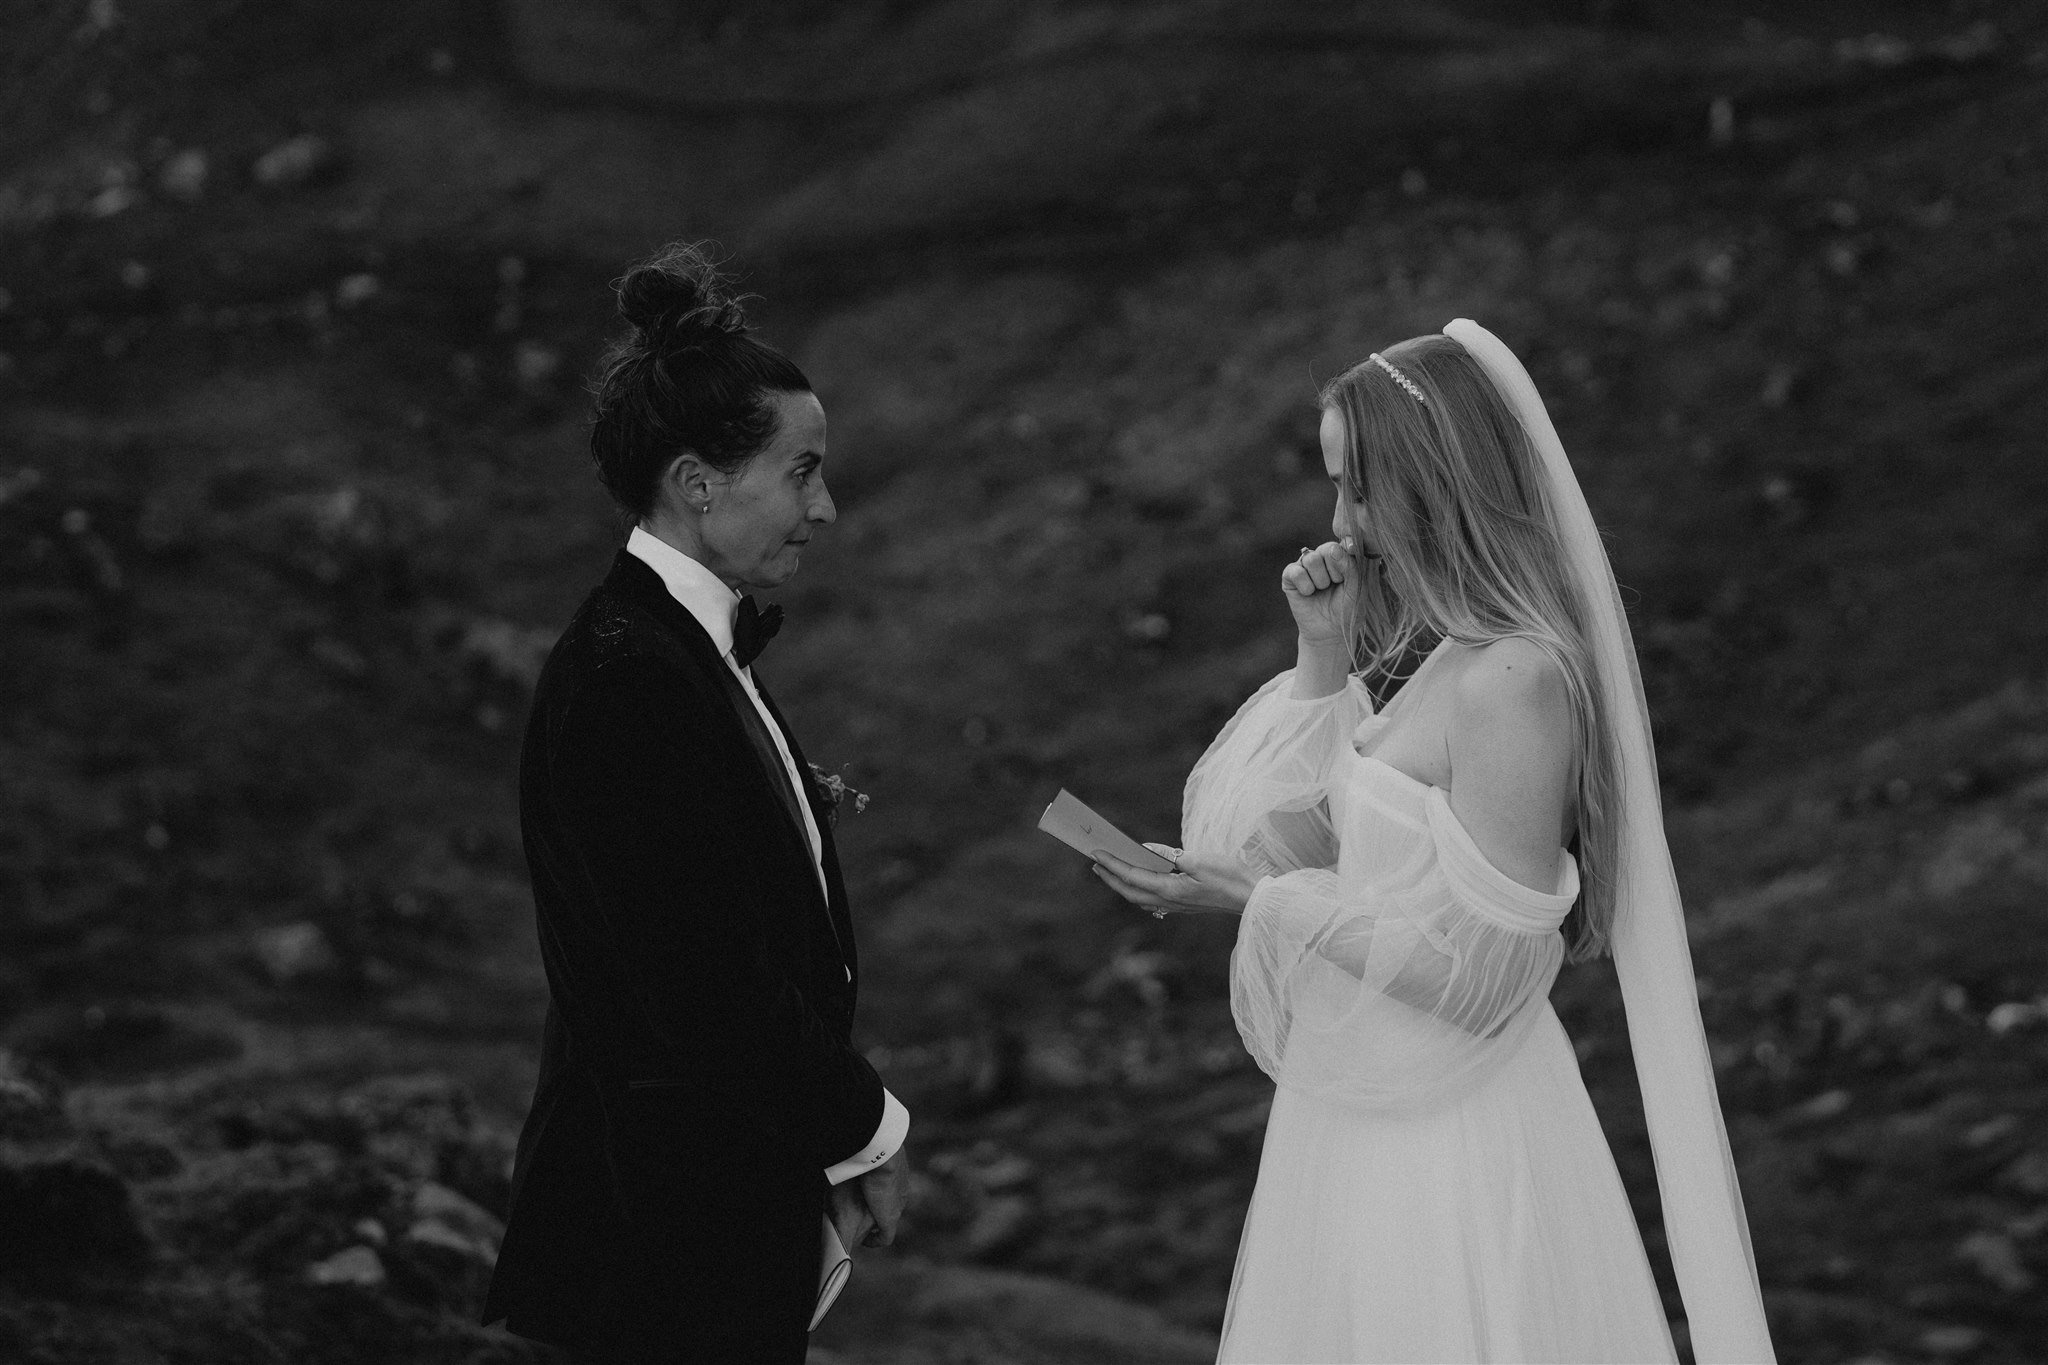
(763, 516)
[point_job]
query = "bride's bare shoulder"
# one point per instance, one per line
(1511, 679)
(1511, 756)
(1509, 703)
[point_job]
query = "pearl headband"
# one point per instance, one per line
(1403, 380)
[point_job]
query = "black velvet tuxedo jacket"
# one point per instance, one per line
(697, 1076)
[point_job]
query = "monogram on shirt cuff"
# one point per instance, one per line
(889, 1135)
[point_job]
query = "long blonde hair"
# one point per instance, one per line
(1451, 493)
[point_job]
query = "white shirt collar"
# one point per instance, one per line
(703, 593)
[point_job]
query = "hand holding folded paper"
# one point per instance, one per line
(850, 1215)
(864, 1212)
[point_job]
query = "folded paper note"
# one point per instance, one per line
(833, 1271)
(1081, 829)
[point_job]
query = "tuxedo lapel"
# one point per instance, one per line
(764, 750)
(634, 579)
(821, 814)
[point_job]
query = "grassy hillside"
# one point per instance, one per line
(297, 305)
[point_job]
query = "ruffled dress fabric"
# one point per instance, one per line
(1434, 1184)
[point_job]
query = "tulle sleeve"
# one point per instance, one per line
(1259, 790)
(1396, 987)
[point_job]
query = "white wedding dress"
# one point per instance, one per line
(1435, 1185)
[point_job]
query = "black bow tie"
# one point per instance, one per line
(752, 629)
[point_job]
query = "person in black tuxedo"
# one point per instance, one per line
(700, 1109)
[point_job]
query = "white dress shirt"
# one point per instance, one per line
(707, 598)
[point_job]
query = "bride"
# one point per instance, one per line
(1435, 1185)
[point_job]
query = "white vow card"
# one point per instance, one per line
(834, 1267)
(1081, 829)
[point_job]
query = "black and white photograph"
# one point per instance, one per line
(1023, 682)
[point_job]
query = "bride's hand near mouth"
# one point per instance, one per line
(1321, 587)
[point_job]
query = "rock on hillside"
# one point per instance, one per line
(262, 1216)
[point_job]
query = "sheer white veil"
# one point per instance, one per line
(1703, 1216)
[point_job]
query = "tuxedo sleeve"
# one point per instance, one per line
(887, 1141)
(668, 878)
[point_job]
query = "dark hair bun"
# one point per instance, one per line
(687, 380)
(678, 296)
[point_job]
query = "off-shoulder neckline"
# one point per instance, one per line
(1568, 890)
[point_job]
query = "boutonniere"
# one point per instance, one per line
(833, 789)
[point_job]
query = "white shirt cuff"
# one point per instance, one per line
(889, 1135)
